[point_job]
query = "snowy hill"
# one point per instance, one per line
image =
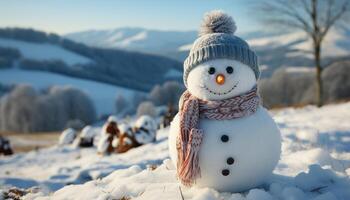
(39, 51)
(274, 50)
(315, 164)
(34, 50)
(103, 95)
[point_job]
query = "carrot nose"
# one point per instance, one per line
(220, 79)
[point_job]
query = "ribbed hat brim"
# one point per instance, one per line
(210, 52)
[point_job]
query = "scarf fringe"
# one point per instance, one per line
(189, 169)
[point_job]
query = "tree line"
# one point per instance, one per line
(25, 109)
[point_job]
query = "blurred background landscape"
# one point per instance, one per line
(109, 56)
(69, 64)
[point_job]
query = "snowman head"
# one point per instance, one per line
(220, 65)
(220, 79)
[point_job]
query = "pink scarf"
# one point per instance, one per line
(190, 136)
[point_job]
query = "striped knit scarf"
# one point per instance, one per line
(190, 136)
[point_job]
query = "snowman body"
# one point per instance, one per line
(236, 154)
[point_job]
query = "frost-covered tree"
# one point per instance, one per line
(167, 94)
(337, 81)
(314, 17)
(121, 105)
(285, 88)
(146, 108)
(51, 113)
(172, 90)
(156, 95)
(26, 110)
(18, 110)
(77, 104)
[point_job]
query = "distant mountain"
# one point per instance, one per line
(158, 42)
(34, 50)
(274, 49)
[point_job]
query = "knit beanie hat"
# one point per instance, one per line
(217, 40)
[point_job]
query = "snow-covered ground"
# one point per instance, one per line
(37, 51)
(103, 95)
(315, 164)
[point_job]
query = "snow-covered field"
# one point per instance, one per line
(103, 95)
(315, 164)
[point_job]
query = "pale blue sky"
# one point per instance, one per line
(63, 16)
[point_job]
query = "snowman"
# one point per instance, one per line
(222, 137)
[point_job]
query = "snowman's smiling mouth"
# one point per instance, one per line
(221, 93)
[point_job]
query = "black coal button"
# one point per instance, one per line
(230, 160)
(224, 138)
(225, 172)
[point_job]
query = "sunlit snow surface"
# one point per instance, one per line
(315, 164)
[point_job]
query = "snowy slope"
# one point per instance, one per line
(315, 164)
(112, 66)
(38, 51)
(103, 95)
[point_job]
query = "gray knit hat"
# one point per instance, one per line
(217, 40)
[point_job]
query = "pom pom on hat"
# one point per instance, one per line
(217, 22)
(217, 40)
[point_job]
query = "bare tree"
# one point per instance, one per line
(314, 17)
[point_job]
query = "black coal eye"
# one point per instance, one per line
(229, 70)
(211, 70)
